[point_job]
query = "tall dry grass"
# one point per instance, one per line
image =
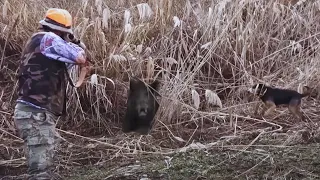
(206, 54)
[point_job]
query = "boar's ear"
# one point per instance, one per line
(133, 83)
(155, 86)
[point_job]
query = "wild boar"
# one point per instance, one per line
(142, 105)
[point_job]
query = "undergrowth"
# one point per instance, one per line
(205, 53)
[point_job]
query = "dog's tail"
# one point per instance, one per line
(306, 91)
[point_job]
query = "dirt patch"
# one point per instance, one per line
(221, 57)
(264, 156)
(296, 162)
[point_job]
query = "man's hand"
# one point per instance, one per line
(82, 61)
(84, 69)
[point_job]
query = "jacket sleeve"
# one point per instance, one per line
(55, 48)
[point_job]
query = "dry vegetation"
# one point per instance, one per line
(206, 53)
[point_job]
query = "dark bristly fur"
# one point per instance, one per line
(142, 106)
(273, 97)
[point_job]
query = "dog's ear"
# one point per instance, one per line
(262, 86)
(260, 89)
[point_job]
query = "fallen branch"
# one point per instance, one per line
(20, 140)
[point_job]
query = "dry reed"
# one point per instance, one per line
(205, 52)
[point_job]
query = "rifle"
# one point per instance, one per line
(84, 68)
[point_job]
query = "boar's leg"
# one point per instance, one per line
(130, 123)
(144, 130)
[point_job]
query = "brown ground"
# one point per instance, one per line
(253, 45)
(290, 153)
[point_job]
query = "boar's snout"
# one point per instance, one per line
(143, 111)
(143, 105)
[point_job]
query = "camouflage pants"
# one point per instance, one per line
(37, 129)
